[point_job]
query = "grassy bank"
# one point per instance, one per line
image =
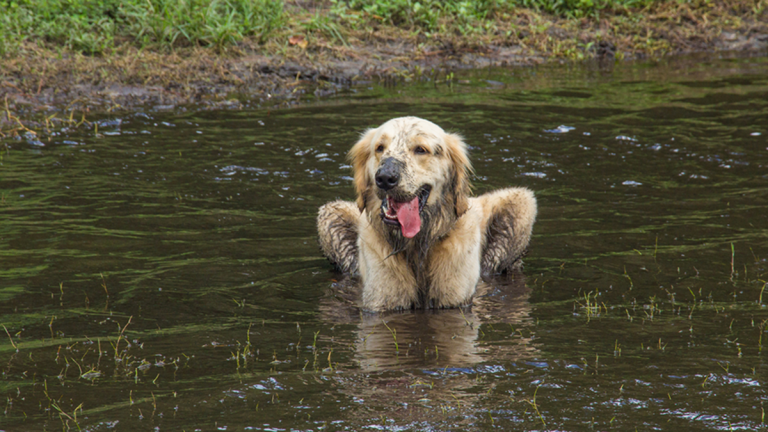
(95, 27)
(88, 54)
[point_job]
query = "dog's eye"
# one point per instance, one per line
(379, 148)
(420, 150)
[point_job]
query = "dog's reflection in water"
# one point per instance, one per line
(441, 338)
(414, 362)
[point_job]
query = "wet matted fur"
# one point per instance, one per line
(415, 235)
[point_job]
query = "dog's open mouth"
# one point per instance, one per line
(405, 214)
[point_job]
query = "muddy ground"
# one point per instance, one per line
(43, 84)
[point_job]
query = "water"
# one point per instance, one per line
(165, 275)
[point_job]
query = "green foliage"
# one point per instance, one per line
(84, 25)
(426, 14)
(325, 25)
(94, 26)
(579, 8)
(91, 26)
(205, 22)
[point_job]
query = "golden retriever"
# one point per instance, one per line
(416, 237)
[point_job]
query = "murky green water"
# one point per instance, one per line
(165, 275)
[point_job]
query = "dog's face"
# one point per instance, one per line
(409, 166)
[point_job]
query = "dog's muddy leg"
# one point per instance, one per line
(509, 227)
(337, 234)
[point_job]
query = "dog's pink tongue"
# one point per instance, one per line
(408, 216)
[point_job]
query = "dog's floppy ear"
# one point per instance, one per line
(358, 156)
(461, 169)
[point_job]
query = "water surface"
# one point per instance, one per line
(164, 274)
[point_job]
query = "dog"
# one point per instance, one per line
(415, 235)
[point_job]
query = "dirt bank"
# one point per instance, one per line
(50, 82)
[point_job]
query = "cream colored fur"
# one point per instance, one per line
(461, 237)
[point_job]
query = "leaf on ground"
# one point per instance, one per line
(298, 40)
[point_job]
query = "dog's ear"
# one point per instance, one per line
(358, 156)
(461, 169)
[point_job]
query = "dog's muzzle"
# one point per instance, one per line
(388, 174)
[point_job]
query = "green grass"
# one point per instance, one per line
(472, 15)
(424, 14)
(94, 26)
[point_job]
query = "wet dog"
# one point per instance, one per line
(415, 235)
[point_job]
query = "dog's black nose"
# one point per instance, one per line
(388, 174)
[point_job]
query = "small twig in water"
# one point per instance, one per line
(104, 284)
(535, 406)
(394, 335)
(470, 324)
(9, 337)
(733, 253)
(120, 335)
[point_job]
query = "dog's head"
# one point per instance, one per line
(407, 166)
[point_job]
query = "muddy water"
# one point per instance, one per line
(164, 275)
